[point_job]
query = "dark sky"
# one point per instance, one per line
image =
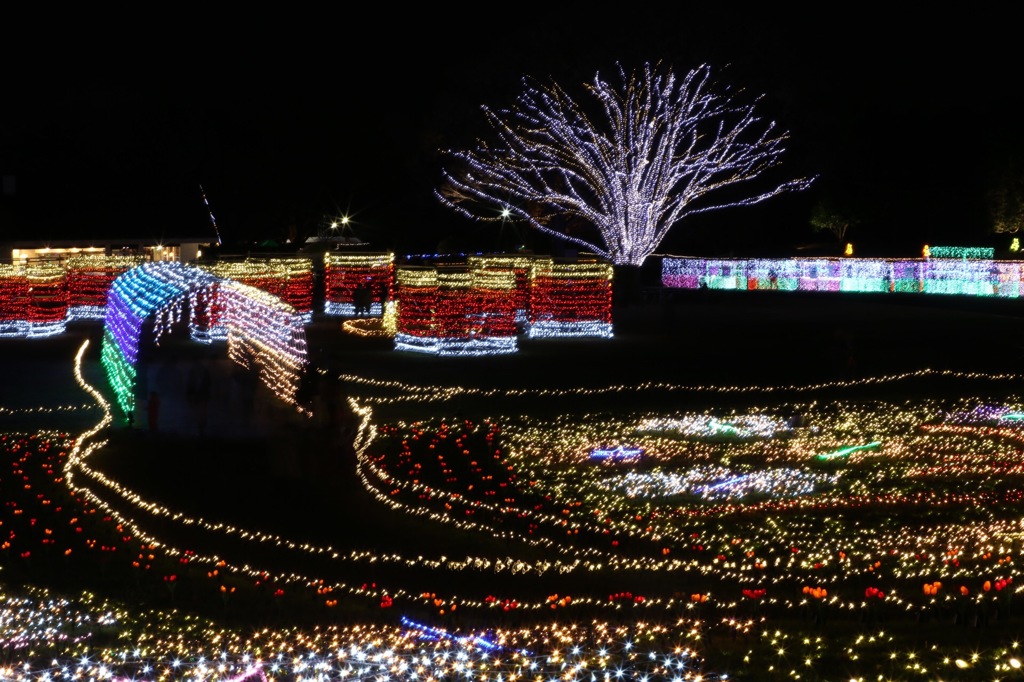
(289, 119)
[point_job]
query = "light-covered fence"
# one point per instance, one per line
(950, 276)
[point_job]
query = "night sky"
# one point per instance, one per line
(288, 121)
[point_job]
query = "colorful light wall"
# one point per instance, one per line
(33, 299)
(343, 272)
(89, 278)
(13, 300)
(266, 335)
(455, 311)
(156, 290)
(957, 276)
(290, 279)
(570, 300)
(522, 268)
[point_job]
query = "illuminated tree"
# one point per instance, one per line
(1006, 201)
(654, 150)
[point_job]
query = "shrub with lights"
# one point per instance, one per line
(345, 272)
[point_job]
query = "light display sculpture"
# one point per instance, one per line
(455, 311)
(292, 282)
(570, 300)
(266, 335)
(33, 299)
(522, 269)
(89, 278)
(965, 277)
(13, 298)
(345, 272)
(290, 279)
(648, 156)
(262, 332)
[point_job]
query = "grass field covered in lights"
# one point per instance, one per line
(742, 489)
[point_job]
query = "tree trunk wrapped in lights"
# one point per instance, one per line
(570, 299)
(642, 155)
(456, 311)
(344, 272)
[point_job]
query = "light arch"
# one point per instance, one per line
(264, 334)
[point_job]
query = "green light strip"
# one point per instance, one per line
(847, 451)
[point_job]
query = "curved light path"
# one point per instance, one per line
(686, 511)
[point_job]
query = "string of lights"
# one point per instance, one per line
(961, 276)
(263, 333)
(344, 273)
(754, 560)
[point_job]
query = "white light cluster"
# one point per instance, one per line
(718, 483)
(704, 426)
(265, 334)
(963, 277)
(659, 147)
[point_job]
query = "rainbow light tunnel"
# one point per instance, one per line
(264, 334)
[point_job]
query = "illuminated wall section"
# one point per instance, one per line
(570, 300)
(865, 275)
(817, 274)
(522, 269)
(907, 276)
(46, 308)
(960, 276)
(416, 294)
(290, 279)
(957, 276)
(89, 279)
(961, 252)
(343, 272)
(1007, 281)
(455, 311)
(266, 335)
(13, 301)
(156, 289)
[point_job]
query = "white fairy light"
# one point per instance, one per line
(657, 148)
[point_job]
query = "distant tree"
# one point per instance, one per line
(833, 216)
(654, 150)
(1006, 201)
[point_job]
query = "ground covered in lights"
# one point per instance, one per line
(822, 532)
